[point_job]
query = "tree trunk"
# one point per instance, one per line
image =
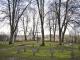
(41, 13)
(11, 38)
(59, 22)
(54, 36)
(60, 40)
(42, 31)
(25, 35)
(50, 34)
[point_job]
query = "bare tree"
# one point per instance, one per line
(40, 4)
(49, 24)
(24, 29)
(53, 10)
(62, 25)
(34, 17)
(37, 24)
(13, 7)
(25, 24)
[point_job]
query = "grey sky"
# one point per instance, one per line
(5, 27)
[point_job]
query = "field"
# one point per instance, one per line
(30, 50)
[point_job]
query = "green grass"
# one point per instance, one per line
(5, 46)
(42, 54)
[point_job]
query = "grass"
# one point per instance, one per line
(5, 46)
(42, 54)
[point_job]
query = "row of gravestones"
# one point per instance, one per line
(23, 48)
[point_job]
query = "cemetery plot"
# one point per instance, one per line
(21, 48)
(50, 51)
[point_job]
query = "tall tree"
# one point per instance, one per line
(34, 17)
(14, 16)
(40, 4)
(49, 25)
(62, 24)
(25, 23)
(24, 29)
(37, 32)
(53, 12)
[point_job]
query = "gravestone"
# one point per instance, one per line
(62, 49)
(34, 50)
(21, 48)
(38, 47)
(51, 49)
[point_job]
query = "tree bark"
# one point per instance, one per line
(41, 13)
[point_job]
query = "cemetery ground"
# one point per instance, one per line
(31, 50)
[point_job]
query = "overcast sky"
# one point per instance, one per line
(4, 28)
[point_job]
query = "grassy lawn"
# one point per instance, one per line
(44, 53)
